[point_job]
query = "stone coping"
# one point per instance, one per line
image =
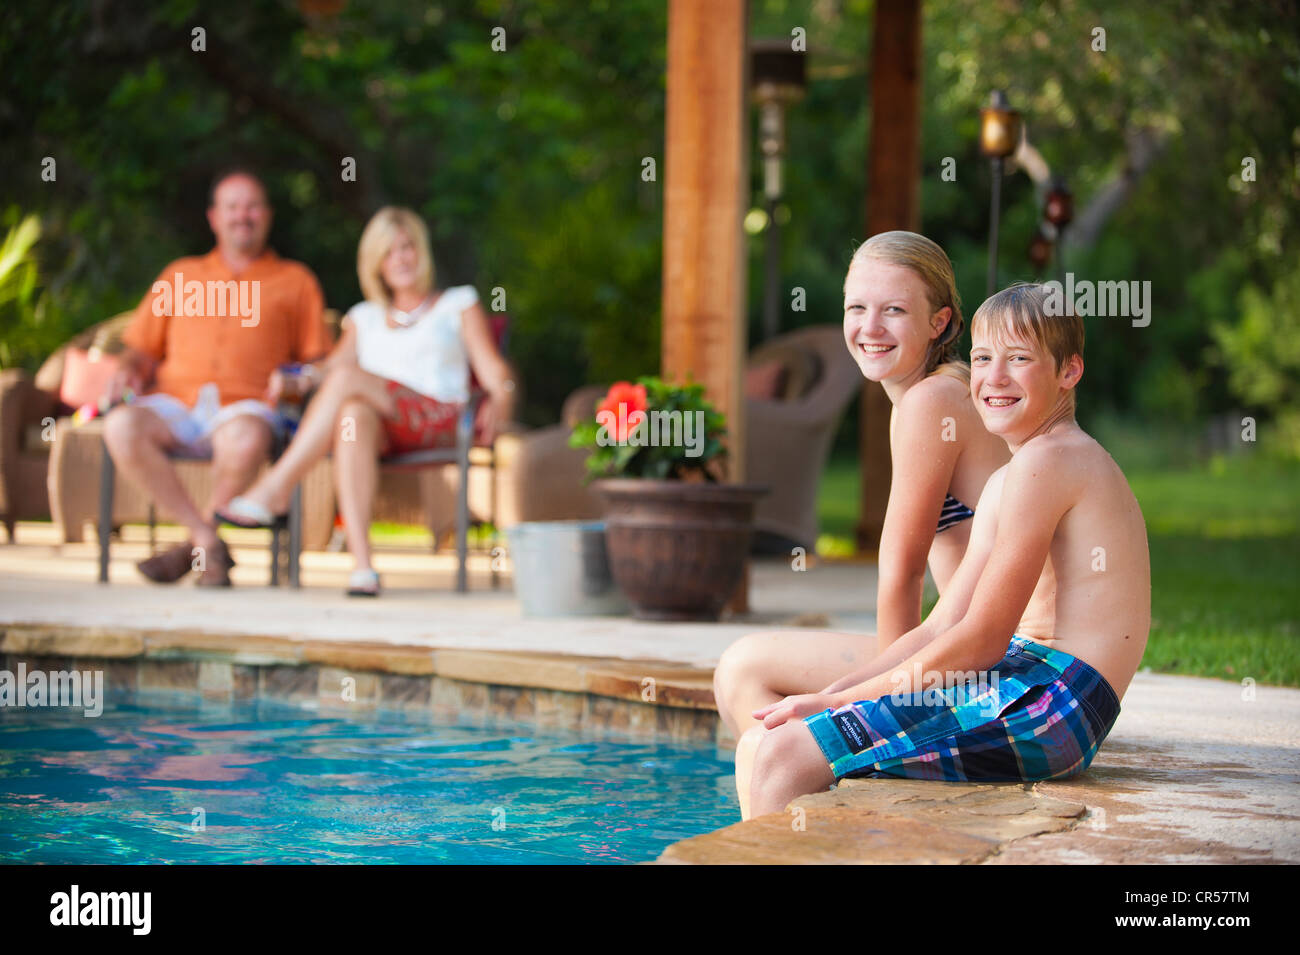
(642, 698)
(657, 681)
(886, 822)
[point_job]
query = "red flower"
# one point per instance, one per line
(622, 409)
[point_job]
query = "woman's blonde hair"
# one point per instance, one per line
(932, 266)
(376, 241)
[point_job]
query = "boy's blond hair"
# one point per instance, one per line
(932, 266)
(1020, 311)
(377, 238)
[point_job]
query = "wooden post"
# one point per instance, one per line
(706, 185)
(893, 202)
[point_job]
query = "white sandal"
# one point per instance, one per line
(363, 583)
(243, 512)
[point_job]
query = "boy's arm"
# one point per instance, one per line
(1038, 489)
(953, 602)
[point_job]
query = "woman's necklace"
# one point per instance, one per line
(407, 319)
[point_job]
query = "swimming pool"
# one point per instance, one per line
(267, 782)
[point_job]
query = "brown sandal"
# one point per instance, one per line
(216, 572)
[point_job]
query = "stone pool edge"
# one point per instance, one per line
(887, 822)
(647, 699)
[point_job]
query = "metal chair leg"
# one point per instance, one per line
(275, 556)
(463, 437)
(295, 536)
(492, 472)
(107, 473)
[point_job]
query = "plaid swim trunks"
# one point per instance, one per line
(1039, 714)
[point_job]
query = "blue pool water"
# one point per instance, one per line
(277, 784)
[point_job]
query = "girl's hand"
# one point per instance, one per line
(794, 708)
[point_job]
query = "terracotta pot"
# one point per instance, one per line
(677, 549)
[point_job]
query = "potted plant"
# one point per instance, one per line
(677, 537)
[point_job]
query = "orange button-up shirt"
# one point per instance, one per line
(233, 335)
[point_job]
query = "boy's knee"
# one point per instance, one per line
(751, 739)
(772, 748)
(783, 752)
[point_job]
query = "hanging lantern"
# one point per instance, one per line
(1058, 207)
(1040, 248)
(999, 127)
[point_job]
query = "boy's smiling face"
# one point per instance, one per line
(1015, 383)
(888, 319)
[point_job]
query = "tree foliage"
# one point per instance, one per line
(527, 161)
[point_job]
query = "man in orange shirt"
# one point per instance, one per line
(210, 336)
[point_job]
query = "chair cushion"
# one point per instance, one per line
(765, 380)
(86, 374)
(801, 367)
(581, 405)
(105, 336)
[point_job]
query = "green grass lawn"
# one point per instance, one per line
(481, 536)
(1225, 561)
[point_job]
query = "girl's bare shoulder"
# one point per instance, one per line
(937, 393)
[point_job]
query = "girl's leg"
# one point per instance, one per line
(356, 474)
(765, 667)
(316, 432)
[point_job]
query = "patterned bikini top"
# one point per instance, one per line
(954, 512)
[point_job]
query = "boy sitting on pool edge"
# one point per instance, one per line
(1053, 596)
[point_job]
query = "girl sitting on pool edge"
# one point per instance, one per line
(902, 322)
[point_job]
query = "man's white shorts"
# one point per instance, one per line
(192, 428)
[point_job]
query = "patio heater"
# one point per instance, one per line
(999, 136)
(1058, 209)
(777, 78)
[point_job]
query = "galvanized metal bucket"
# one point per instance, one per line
(561, 569)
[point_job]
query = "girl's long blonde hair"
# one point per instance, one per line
(377, 238)
(932, 265)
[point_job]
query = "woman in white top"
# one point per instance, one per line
(397, 381)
